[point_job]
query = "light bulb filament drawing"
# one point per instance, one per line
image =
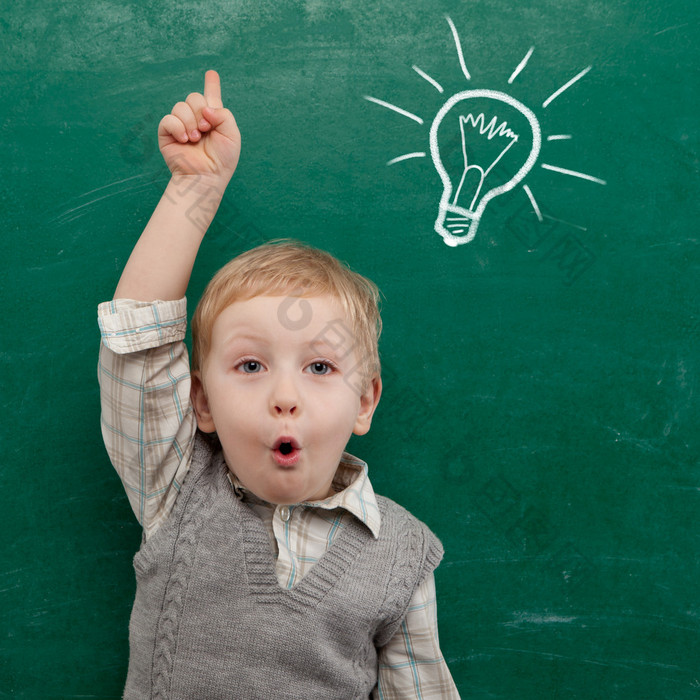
(491, 131)
(483, 143)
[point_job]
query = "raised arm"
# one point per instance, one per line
(200, 143)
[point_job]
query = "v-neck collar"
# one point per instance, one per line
(260, 563)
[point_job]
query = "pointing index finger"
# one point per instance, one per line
(212, 89)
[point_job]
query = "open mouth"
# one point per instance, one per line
(286, 451)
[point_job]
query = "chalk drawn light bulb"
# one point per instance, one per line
(483, 143)
(474, 132)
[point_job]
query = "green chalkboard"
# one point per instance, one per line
(540, 409)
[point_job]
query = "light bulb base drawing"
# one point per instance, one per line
(456, 225)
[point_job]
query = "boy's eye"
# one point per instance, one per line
(320, 368)
(250, 366)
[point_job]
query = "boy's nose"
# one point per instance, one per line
(284, 399)
(285, 407)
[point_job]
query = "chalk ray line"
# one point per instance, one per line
(573, 173)
(668, 29)
(394, 108)
(559, 137)
(432, 81)
(566, 86)
(567, 223)
(104, 196)
(459, 48)
(112, 184)
(521, 65)
(398, 159)
(531, 197)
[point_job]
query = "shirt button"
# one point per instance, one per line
(285, 513)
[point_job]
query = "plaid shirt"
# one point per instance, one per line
(148, 427)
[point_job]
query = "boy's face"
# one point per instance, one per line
(282, 401)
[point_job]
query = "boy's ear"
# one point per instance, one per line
(368, 402)
(200, 404)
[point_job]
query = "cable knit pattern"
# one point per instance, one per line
(176, 590)
(408, 570)
(210, 620)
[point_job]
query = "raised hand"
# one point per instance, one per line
(200, 143)
(200, 136)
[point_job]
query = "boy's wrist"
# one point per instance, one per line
(198, 195)
(196, 186)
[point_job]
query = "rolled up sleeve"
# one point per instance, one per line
(130, 326)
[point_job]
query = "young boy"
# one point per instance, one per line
(268, 567)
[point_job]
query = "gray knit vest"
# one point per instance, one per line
(210, 620)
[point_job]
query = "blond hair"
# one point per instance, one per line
(292, 268)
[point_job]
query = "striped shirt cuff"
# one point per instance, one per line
(130, 326)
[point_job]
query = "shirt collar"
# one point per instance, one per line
(354, 493)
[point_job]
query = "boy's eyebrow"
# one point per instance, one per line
(243, 335)
(322, 345)
(338, 349)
